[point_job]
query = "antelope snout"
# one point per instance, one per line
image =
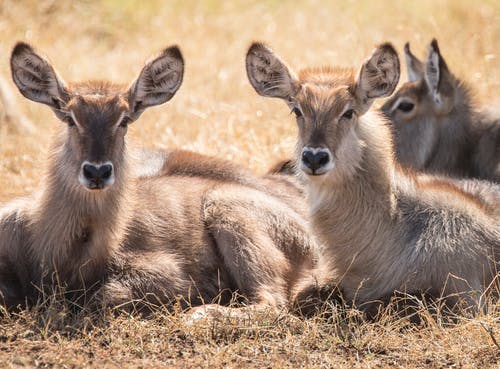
(97, 176)
(316, 161)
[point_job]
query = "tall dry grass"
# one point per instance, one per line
(217, 112)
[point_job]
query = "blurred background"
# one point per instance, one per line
(216, 111)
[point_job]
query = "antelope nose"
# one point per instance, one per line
(105, 171)
(97, 176)
(315, 160)
(91, 172)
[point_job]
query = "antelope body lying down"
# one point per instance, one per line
(437, 126)
(189, 227)
(384, 229)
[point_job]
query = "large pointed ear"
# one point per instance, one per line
(378, 76)
(415, 67)
(268, 75)
(36, 78)
(158, 81)
(439, 79)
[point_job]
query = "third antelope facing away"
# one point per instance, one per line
(383, 229)
(163, 235)
(437, 126)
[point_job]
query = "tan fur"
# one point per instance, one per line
(384, 229)
(9, 111)
(187, 228)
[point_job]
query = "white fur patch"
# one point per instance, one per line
(148, 163)
(95, 94)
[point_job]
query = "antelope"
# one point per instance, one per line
(437, 126)
(143, 226)
(384, 229)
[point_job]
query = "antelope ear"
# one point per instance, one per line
(378, 76)
(415, 67)
(439, 79)
(35, 78)
(158, 81)
(268, 75)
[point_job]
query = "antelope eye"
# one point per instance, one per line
(297, 112)
(348, 114)
(69, 121)
(125, 121)
(406, 106)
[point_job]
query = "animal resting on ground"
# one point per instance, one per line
(384, 229)
(149, 228)
(437, 126)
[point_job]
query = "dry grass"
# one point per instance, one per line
(52, 337)
(216, 112)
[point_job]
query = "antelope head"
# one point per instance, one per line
(96, 113)
(327, 103)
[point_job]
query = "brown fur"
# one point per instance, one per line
(439, 185)
(384, 229)
(279, 177)
(452, 136)
(286, 166)
(189, 227)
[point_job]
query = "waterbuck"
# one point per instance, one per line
(150, 227)
(437, 126)
(385, 229)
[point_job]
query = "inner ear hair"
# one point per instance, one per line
(35, 78)
(378, 76)
(414, 66)
(158, 81)
(436, 71)
(268, 74)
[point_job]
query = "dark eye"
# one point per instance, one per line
(406, 106)
(348, 114)
(69, 121)
(125, 121)
(57, 103)
(297, 112)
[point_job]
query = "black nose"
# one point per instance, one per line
(97, 175)
(313, 160)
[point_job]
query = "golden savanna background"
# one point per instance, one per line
(217, 112)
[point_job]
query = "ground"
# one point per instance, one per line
(217, 112)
